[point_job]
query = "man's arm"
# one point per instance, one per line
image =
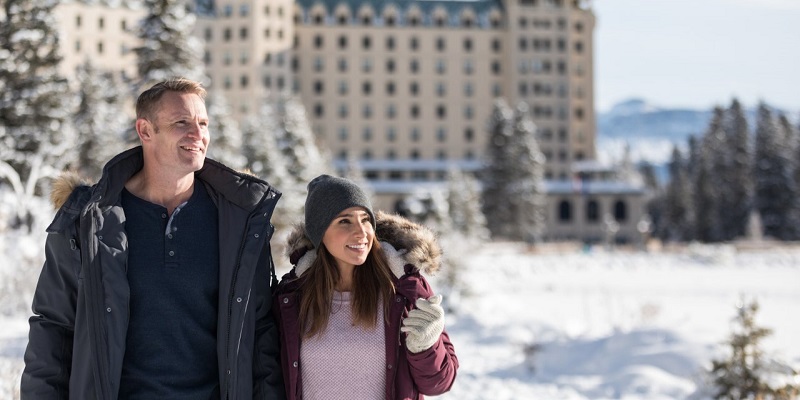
(48, 357)
(267, 374)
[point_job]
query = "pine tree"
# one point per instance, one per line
(705, 189)
(498, 175)
(464, 205)
(168, 47)
(734, 180)
(744, 374)
(297, 142)
(775, 188)
(226, 137)
(528, 201)
(101, 120)
(678, 216)
(35, 101)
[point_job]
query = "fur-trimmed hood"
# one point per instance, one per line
(416, 243)
(63, 186)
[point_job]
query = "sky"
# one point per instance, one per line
(697, 53)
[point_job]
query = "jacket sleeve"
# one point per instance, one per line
(433, 370)
(48, 356)
(268, 378)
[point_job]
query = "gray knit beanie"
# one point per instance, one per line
(327, 197)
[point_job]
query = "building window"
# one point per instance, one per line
(413, 88)
(592, 211)
(440, 89)
(123, 25)
(242, 33)
(441, 111)
(620, 211)
(390, 88)
(207, 33)
(319, 64)
(366, 65)
(496, 46)
(469, 135)
(415, 154)
(468, 112)
(367, 134)
(77, 46)
(441, 135)
(227, 84)
(319, 87)
(342, 64)
(391, 136)
(101, 23)
(415, 134)
(391, 111)
(467, 44)
(366, 42)
(317, 41)
(564, 211)
(343, 134)
(342, 19)
(414, 20)
(227, 58)
(441, 66)
(440, 45)
(415, 111)
(227, 10)
(366, 111)
(366, 88)
(342, 42)
(226, 34)
(244, 81)
(390, 43)
(100, 47)
(469, 90)
(78, 21)
(343, 111)
(342, 87)
(414, 66)
(496, 67)
(579, 47)
(413, 43)
(244, 10)
(367, 155)
(390, 65)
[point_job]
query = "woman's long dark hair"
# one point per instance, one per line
(372, 284)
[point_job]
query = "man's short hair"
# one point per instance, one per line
(147, 101)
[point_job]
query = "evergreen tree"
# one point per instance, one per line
(464, 205)
(226, 137)
(497, 175)
(705, 190)
(101, 121)
(297, 142)
(168, 47)
(733, 177)
(775, 194)
(678, 216)
(35, 101)
(745, 373)
(528, 198)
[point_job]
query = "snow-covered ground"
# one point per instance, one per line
(572, 324)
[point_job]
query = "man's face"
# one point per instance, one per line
(180, 136)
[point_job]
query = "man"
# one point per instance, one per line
(156, 282)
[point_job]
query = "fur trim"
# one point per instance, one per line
(421, 247)
(63, 187)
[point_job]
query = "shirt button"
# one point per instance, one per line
(256, 235)
(169, 236)
(294, 364)
(108, 309)
(163, 215)
(171, 253)
(286, 300)
(238, 299)
(389, 366)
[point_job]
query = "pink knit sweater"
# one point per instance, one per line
(345, 361)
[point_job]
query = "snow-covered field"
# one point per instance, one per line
(572, 324)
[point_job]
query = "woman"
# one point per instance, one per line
(356, 318)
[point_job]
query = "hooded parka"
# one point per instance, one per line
(408, 375)
(78, 331)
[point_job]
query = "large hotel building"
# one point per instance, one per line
(404, 87)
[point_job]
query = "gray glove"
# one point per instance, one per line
(424, 324)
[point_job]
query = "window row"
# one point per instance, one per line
(390, 88)
(390, 43)
(243, 33)
(413, 154)
(391, 16)
(101, 23)
(414, 134)
(368, 111)
(244, 10)
(592, 211)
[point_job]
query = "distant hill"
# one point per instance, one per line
(652, 131)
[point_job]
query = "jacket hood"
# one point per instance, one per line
(63, 186)
(416, 242)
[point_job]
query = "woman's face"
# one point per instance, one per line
(349, 237)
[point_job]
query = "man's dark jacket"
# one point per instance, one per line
(78, 330)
